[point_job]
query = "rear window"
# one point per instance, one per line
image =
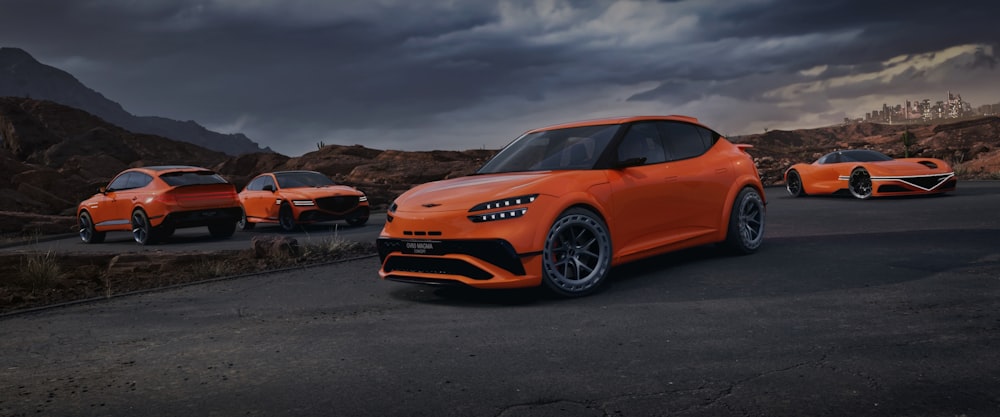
(178, 179)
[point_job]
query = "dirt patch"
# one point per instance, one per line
(35, 279)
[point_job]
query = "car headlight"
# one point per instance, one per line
(508, 208)
(302, 203)
(362, 198)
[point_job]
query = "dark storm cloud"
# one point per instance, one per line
(455, 75)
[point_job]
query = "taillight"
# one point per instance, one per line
(167, 198)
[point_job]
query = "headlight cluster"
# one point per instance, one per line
(303, 203)
(508, 208)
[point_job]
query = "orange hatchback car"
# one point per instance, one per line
(291, 198)
(561, 205)
(152, 202)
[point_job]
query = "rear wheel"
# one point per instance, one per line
(142, 231)
(243, 223)
(576, 258)
(793, 184)
(860, 183)
(222, 228)
(286, 218)
(88, 234)
(746, 222)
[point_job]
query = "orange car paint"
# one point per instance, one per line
(648, 209)
(166, 207)
(892, 177)
(307, 196)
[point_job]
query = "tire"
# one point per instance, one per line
(793, 184)
(746, 222)
(286, 218)
(222, 228)
(243, 223)
(142, 231)
(576, 258)
(357, 221)
(860, 183)
(88, 234)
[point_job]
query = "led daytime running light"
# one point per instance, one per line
(499, 215)
(300, 203)
(507, 202)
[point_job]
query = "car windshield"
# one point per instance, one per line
(863, 156)
(570, 148)
(302, 179)
(179, 178)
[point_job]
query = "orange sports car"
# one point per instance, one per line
(864, 173)
(152, 202)
(291, 198)
(559, 206)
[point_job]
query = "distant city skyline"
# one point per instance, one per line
(924, 110)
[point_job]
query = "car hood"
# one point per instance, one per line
(318, 192)
(465, 192)
(909, 166)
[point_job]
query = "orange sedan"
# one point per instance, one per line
(560, 206)
(152, 202)
(291, 198)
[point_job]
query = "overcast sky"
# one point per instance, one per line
(452, 74)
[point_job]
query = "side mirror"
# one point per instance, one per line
(268, 187)
(103, 190)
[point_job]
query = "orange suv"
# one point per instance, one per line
(152, 202)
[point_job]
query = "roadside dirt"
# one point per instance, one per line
(30, 280)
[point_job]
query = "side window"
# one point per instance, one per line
(256, 185)
(138, 180)
(642, 141)
(683, 140)
(120, 182)
(268, 180)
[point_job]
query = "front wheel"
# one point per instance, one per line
(286, 218)
(576, 258)
(88, 234)
(860, 183)
(357, 221)
(793, 184)
(746, 222)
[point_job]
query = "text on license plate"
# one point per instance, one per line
(419, 247)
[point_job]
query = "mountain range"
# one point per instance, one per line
(21, 75)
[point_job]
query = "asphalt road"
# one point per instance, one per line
(851, 308)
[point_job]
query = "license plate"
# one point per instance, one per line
(419, 247)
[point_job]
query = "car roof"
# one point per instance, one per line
(617, 120)
(158, 169)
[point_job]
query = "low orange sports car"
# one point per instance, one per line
(560, 206)
(291, 198)
(152, 202)
(865, 173)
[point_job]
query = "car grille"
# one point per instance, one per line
(927, 182)
(337, 204)
(440, 266)
(496, 251)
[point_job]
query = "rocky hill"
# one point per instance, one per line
(23, 76)
(53, 156)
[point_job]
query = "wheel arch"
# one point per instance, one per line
(727, 209)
